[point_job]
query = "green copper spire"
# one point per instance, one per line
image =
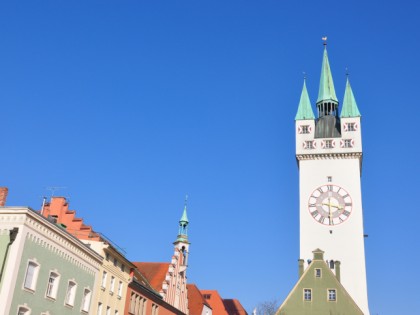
(183, 224)
(326, 84)
(305, 107)
(349, 104)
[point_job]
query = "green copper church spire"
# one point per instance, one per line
(326, 84)
(305, 107)
(349, 104)
(183, 224)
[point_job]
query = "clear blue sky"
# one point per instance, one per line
(130, 105)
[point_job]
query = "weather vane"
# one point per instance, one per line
(347, 72)
(325, 40)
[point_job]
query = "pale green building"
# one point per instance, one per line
(44, 269)
(319, 291)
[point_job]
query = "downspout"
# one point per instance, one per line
(13, 234)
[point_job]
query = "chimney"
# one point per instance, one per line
(301, 262)
(337, 270)
(3, 196)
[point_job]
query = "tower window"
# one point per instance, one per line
(328, 144)
(348, 143)
(329, 179)
(351, 127)
(307, 294)
(305, 129)
(309, 145)
(332, 295)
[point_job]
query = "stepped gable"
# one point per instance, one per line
(234, 307)
(155, 273)
(196, 300)
(58, 210)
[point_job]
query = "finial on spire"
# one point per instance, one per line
(325, 40)
(347, 72)
(304, 75)
(186, 200)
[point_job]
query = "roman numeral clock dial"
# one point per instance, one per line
(330, 205)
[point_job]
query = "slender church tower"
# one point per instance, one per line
(329, 155)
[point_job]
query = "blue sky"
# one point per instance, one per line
(130, 105)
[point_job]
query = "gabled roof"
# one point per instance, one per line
(319, 305)
(216, 302)
(234, 307)
(196, 300)
(155, 273)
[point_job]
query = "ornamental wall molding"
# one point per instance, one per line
(52, 238)
(329, 156)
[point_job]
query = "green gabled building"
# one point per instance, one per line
(319, 291)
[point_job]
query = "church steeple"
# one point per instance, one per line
(305, 108)
(327, 102)
(350, 108)
(183, 225)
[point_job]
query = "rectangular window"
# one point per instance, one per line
(115, 262)
(120, 288)
(31, 276)
(132, 303)
(116, 312)
(309, 144)
(122, 267)
(318, 273)
(71, 293)
(348, 143)
(332, 295)
(111, 289)
(52, 285)
(108, 310)
(307, 294)
(154, 309)
(351, 127)
(99, 309)
(329, 179)
(328, 144)
(104, 276)
(86, 300)
(23, 311)
(305, 129)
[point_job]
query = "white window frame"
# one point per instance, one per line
(332, 295)
(104, 278)
(32, 285)
(23, 310)
(120, 288)
(52, 287)
(307, 295)
(71, 293)
(87, 296)
(112, 285)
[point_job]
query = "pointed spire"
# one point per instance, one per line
(305, 107)
(183, 224)
(326, 84)
(349, 104)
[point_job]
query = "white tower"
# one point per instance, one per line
(329, 155)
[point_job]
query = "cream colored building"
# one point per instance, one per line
(114, 275)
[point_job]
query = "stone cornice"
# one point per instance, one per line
(329, 156)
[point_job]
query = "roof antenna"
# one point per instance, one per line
(325, 40)
(53, 189)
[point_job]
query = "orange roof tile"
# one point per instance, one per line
(215, 300)
(195, 300)
(234, 307)
(155, 273)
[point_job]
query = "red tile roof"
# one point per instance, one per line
(234, 307)
(195, 300)
(155, 273)
(215, 300)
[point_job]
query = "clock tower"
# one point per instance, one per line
(329, 155)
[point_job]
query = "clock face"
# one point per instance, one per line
(330, 205)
